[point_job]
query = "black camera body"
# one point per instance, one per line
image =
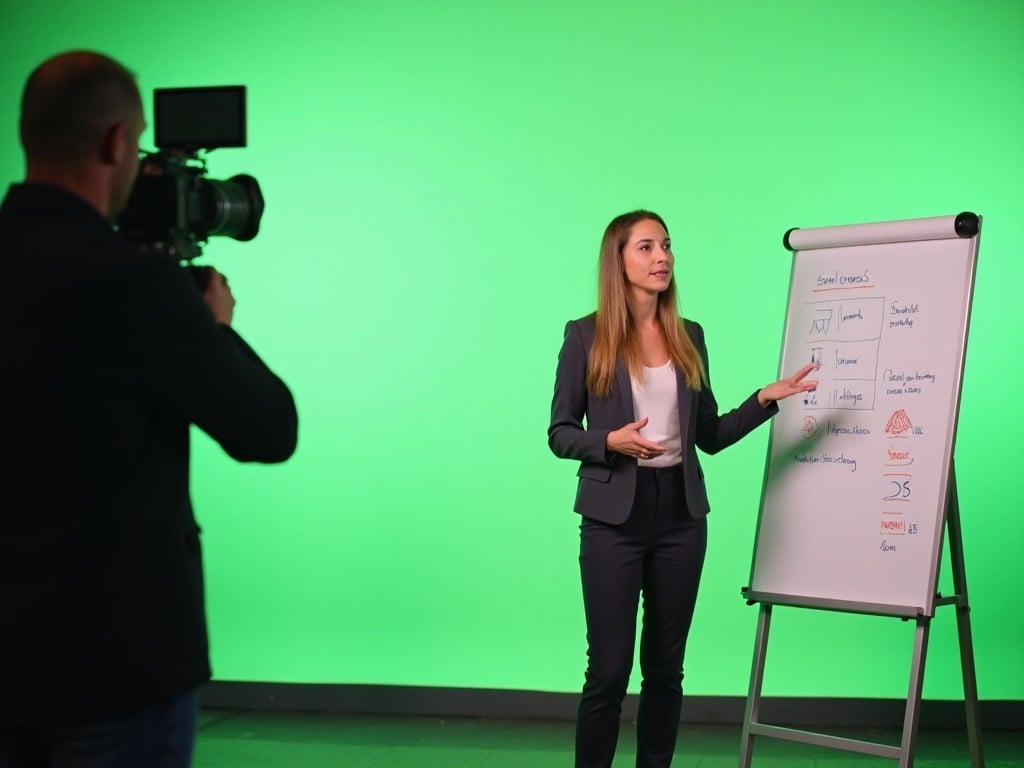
(174, 208)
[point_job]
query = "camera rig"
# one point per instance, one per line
(174, 208)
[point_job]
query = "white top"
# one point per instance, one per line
(657, 398)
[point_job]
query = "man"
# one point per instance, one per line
(107, 355)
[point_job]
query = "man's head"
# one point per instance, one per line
(81, 118)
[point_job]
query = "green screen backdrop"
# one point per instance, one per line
(438, 176)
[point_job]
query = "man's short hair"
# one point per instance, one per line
(70, 101)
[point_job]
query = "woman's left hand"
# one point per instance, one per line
(795, 384)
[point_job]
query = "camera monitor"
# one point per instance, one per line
(199, 118)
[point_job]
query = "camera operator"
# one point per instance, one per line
(109, 355)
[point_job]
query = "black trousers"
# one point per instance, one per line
(657, 553)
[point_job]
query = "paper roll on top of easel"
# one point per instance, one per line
(908, 230)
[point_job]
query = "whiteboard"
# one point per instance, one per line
(853, 503)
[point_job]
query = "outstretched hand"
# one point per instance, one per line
(783, 388)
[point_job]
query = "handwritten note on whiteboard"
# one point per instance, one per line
(857, 474)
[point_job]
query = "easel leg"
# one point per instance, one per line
(756, 679)
(913, 711)
(963, 624)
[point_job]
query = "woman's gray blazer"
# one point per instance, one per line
(580, 424)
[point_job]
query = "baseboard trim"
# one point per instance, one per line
(541, 705)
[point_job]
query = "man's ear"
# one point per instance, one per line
(113, 144)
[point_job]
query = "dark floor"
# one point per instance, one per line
(231, 739)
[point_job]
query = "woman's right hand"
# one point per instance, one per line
(628, 441)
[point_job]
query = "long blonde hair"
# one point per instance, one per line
(615, 337)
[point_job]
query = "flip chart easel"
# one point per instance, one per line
(859, 486)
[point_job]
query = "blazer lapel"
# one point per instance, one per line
(687, 411)
(625, 391)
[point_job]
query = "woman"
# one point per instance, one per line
(632, 402)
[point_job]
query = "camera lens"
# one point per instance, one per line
(232, 208)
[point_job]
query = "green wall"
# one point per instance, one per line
(438, 176)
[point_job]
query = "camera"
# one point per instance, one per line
(173, 207)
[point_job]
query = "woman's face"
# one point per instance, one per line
(647, 257)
